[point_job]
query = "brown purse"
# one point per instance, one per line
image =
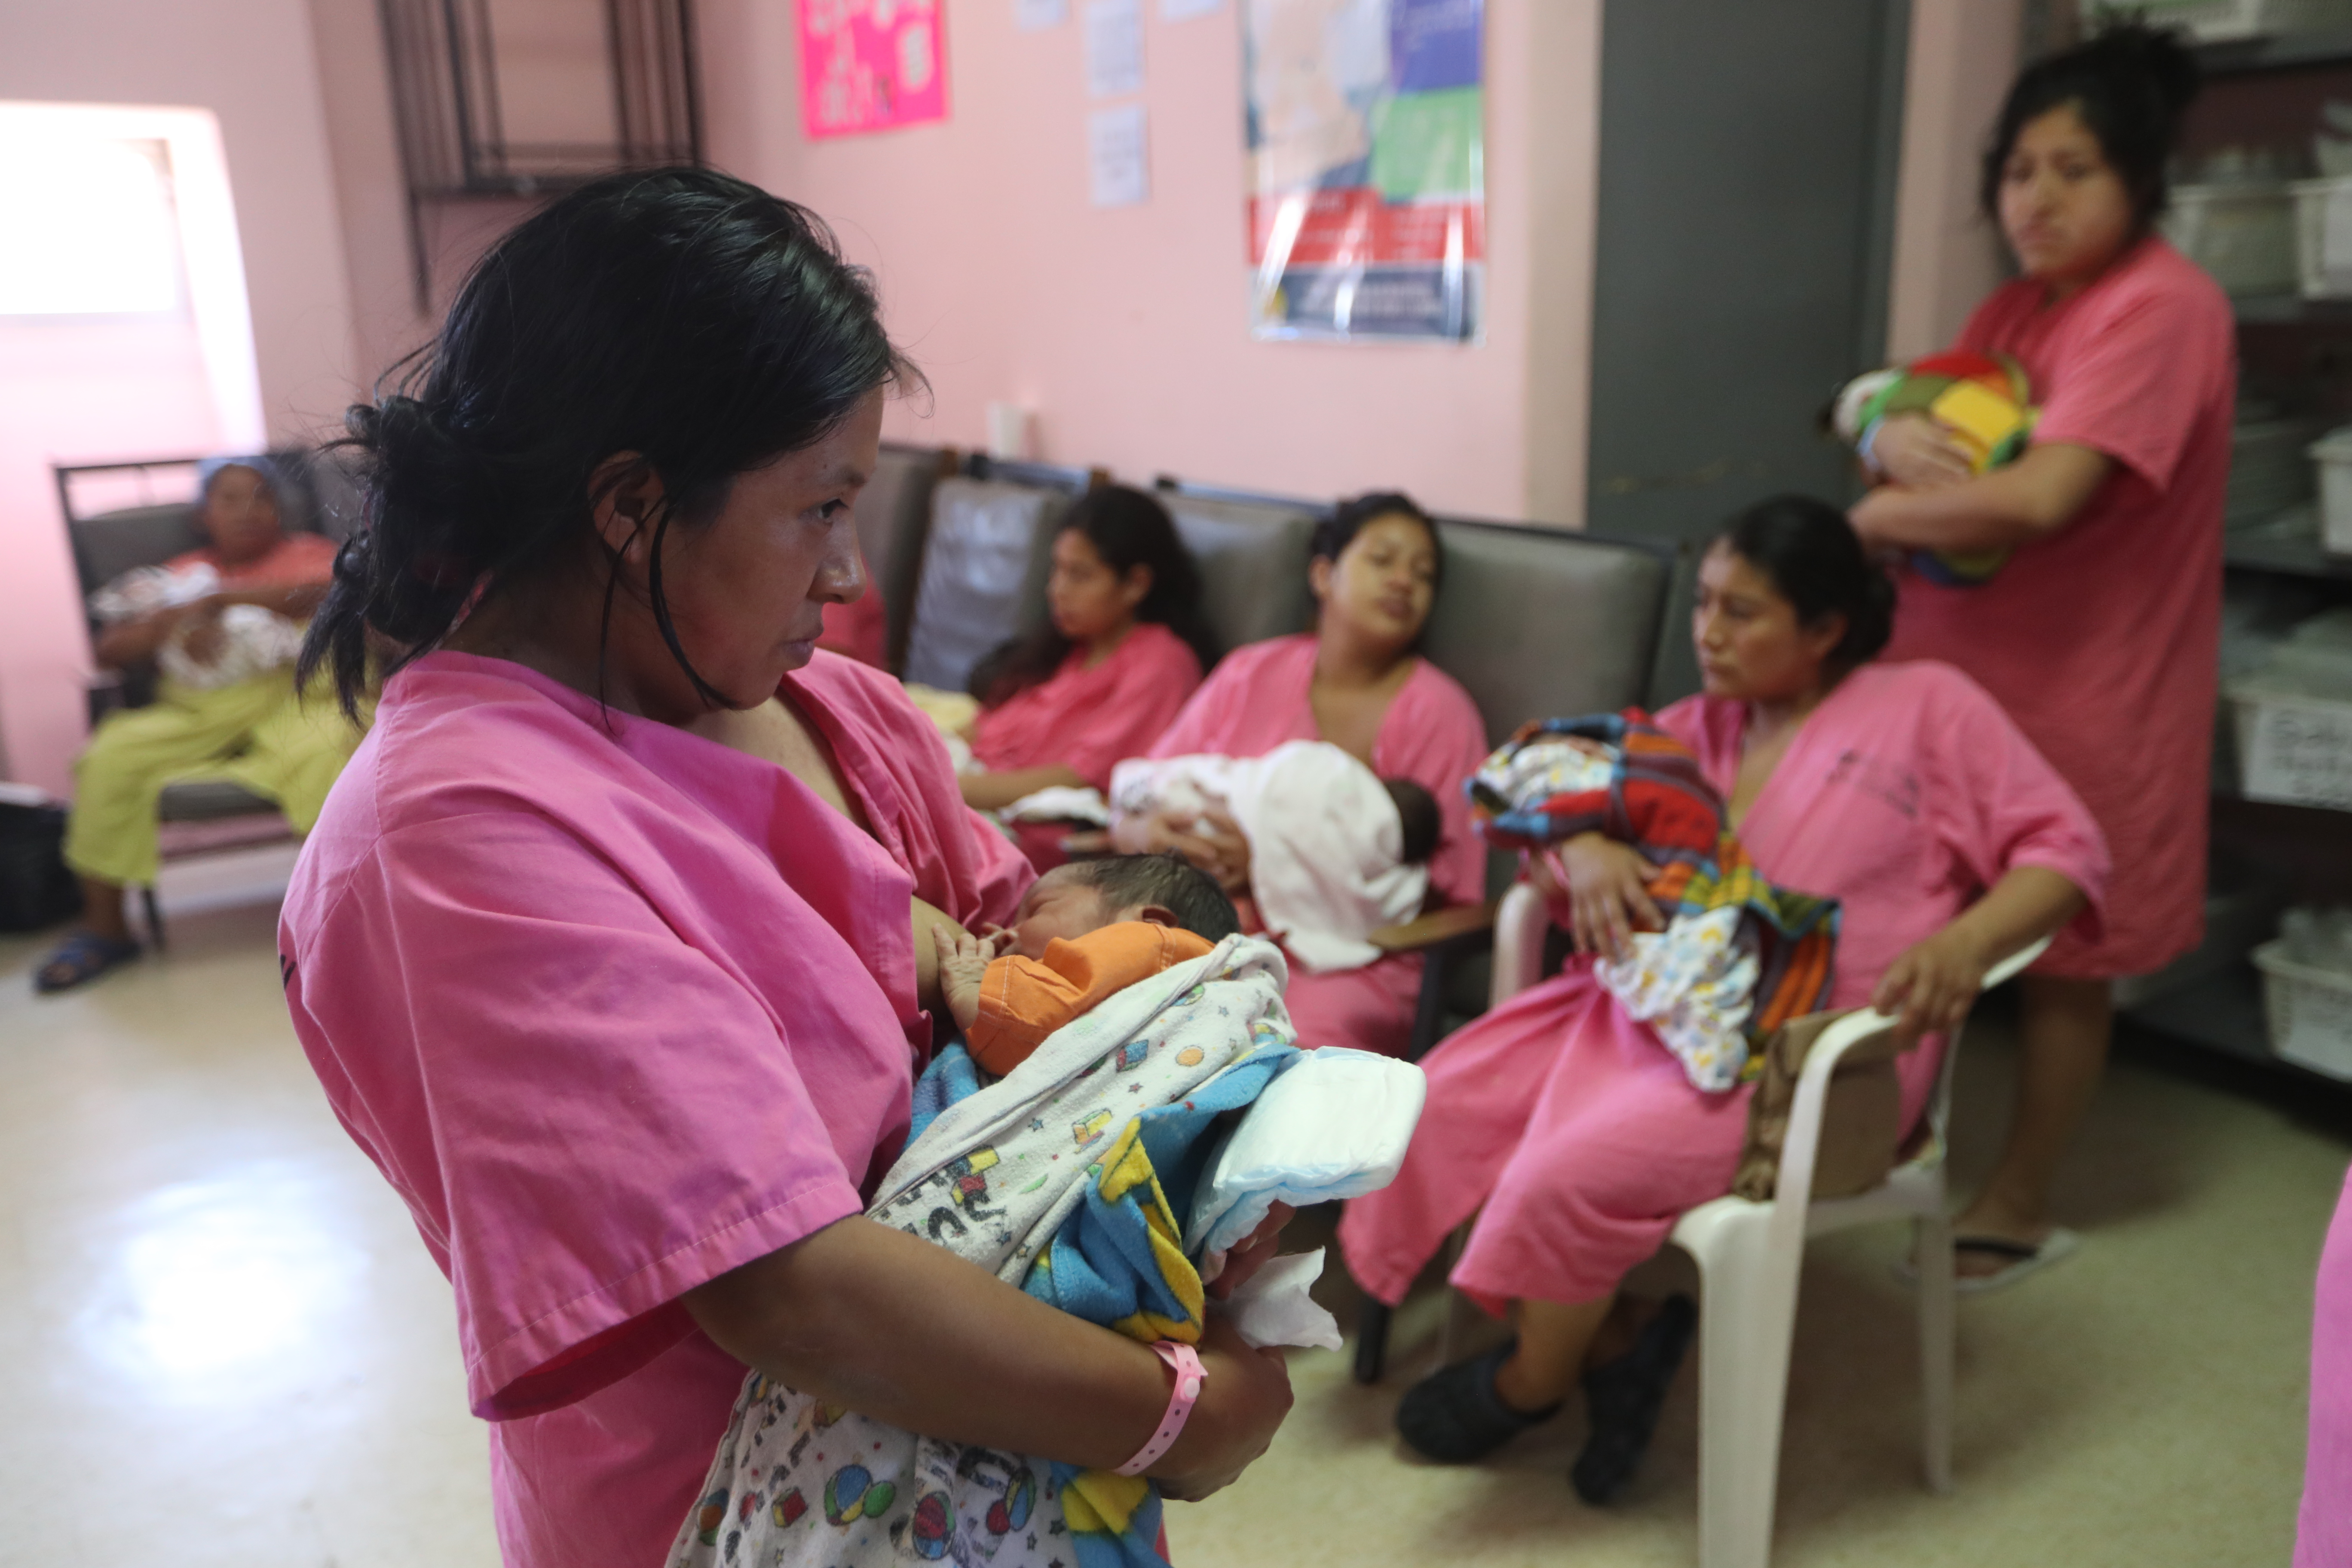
(1860, 1121)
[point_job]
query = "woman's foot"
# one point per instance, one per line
(81, 959)
(1456, 1416)
(1625, 1396)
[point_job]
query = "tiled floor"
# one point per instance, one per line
(221, 1343)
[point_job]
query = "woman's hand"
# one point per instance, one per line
(1216, 843)
(199, 629)
(1242, 1405)
(1931, 987)
(1608, 894)
(1915, 450)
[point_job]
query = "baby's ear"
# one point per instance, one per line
(1154, 914)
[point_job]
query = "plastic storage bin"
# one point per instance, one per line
(2323, 272)
(2211, 20)
(2241, 233)
(2270, 470)
(2293, 749)
(2333, 453)
(2308, 1011)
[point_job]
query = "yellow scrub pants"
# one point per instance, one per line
(258, 734)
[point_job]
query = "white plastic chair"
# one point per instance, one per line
(1748, 1256)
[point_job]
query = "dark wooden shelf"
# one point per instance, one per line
(2281, 51)
(2291, 310)
(2292, 557)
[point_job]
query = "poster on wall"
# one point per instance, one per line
(870, 65)
(1366, 185)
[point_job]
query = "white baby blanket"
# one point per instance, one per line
(1325, 845)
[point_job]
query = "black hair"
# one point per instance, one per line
(679, 315)
(1336, 532)
(1127, 529)
(1417, 812)
(1169, 880)
(1817, 561)
(2131, 83)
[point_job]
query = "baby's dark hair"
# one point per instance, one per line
(1416, 808)
(1172, 882)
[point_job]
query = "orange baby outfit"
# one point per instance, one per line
(1023, 1000)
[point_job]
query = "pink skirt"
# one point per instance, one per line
(1369, 1009)
(1573, 1135)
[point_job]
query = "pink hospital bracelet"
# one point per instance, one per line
(1189, 1375)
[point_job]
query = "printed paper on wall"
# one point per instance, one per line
(870, 65)
(1366, 134)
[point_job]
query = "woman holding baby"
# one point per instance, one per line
(601, 947)
(1570, 1130)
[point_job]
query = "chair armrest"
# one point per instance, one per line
(1521, 924)
(1441, 928)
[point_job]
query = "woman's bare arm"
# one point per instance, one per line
(994, 791)
(2030, 498)
(1931, 986)
(905, 1331)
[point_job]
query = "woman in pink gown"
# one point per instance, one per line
(603, 946)
(2101, 636)
(1357, 682)
(1570, 1130)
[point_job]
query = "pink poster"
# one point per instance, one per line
(870, 65)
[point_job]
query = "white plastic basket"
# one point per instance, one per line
(2308, 1011)
(2213, 20)
(2333, 453)
(2243, 234)
(2293, 749)
(2323, 272)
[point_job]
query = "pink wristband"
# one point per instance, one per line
(1189, 1375)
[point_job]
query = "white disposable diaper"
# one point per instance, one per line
(1334, 1126)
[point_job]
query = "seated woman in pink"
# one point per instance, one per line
(1123, 646)
(603, 948)
(1570, 1131)
(1358, 682)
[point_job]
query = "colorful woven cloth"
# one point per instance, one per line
(1069, 1176)
(1713, 987)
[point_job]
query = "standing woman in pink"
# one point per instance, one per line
(1122, 647)
(2101, 634)
(603, 948)
(1358, 682)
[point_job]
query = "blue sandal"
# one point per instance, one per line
(84, 956)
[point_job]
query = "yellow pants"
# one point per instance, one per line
(258, 733)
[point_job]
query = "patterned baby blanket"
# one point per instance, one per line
(1739, 957)
(1069, 1177)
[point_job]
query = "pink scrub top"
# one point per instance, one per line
(617, 1009)
(1258, 698)
(1091, 720)
(2103, 641)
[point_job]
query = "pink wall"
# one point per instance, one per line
(1947, 256)
(1124, 329)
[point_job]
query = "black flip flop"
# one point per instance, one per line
(1624, 1397)
(81, 959)
(1456, 1417)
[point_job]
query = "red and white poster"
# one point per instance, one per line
(870, 65)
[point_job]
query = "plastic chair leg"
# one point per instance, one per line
(1932, 1247)
(1746, 1315)
(1372, 1340)
(155, 916)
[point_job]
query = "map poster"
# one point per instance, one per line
(1366, 185)
(870, 65)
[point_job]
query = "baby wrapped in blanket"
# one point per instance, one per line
(1101, 1159)
(1739, 957)
(1336, 851)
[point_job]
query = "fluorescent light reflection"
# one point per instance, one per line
(95, 233)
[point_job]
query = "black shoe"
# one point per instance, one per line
(1454, 1416)
(1624, 1397)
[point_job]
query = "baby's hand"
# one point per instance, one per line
(963, 965)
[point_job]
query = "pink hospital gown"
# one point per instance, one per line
(1090, 719)
(1904, 794)
(617, 1009)
(1255, 699)
(2103, 641)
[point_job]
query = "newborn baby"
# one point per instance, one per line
(1336, 852)
(1084, 930)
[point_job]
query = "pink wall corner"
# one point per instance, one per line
(1125, 330)
(1947, 254)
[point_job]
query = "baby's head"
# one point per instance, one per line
(1416, 809)
(1084, 895)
